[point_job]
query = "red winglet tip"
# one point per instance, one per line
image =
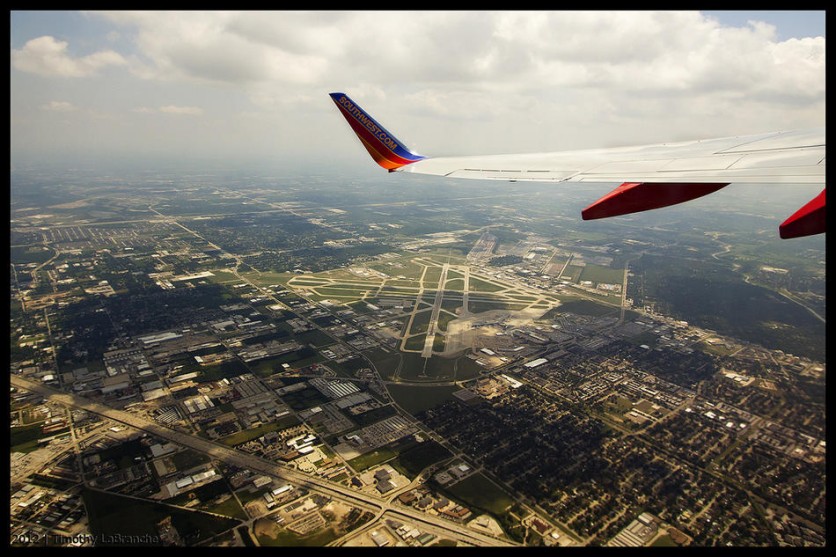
(809, 220)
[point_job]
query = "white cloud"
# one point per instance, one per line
(211, 46)
(59, 106)
(48, 56)
(454, 81)
(520, 52)
(169, 109)
(185, 110)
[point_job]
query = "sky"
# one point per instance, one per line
(243, 88)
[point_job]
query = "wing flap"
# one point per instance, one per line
(807, 158)
(796, 139)
(519, 174)
(666, 165)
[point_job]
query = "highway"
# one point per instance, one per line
(226, 454)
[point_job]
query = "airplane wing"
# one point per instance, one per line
(654, 176)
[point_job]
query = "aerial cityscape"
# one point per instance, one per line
(417, 278)
(242, 360)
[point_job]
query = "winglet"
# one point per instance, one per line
(387, 151)
(810, 219)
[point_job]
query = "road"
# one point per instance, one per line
(226, 454)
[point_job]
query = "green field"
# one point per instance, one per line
(598, 274)
(316, 338)
(268, 277)
(582, 307)
(572, 273)
(373, 458)
(454, 284)
(384, 362)
(416, 342)
(480, 306)
(415, 399)
(24, 434)
(30, 254)
(451, 304)
(392, 290)
(184, 460)
(309, 281)
(400, 283)
(664, 541)
(479, 492)
(344, 290)
(431, 277)
(415, 459)
(223, 277)
(421, 322)
(256, 432)
(452, 275)
(416, 368)
(444, 319)
(446, 254)
(478, 285)
(349, 367)
(287, 538)
(208, 496)
(304, 398)
(407, 455)
(24, 439)
(231, 368)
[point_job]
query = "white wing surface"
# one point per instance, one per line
(779, 157)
